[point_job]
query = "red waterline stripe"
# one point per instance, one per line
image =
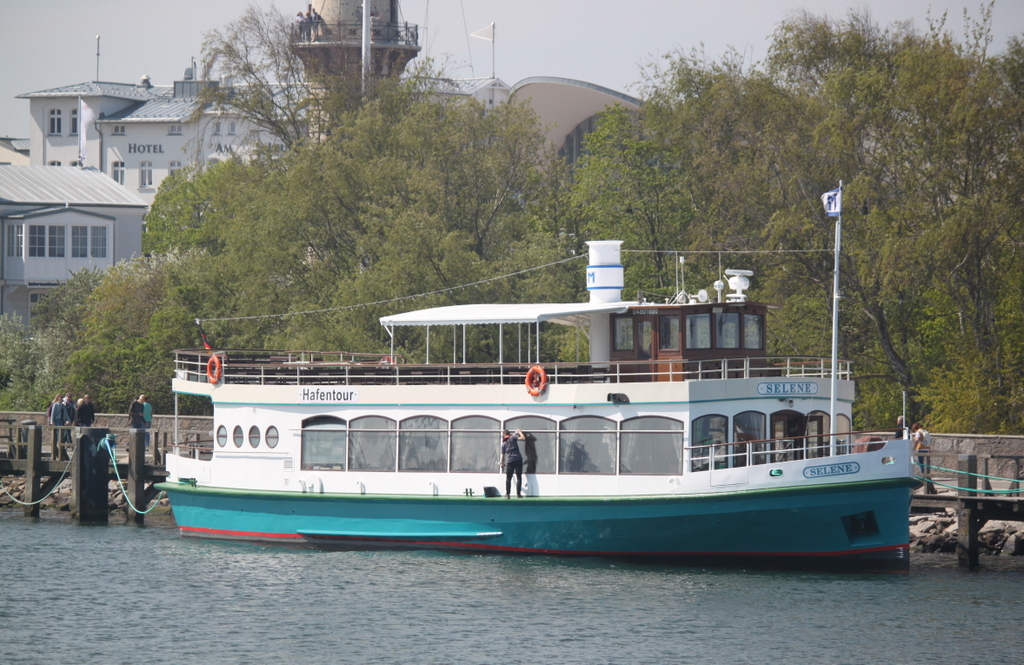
(251, 534)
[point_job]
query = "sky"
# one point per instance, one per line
(53, 43)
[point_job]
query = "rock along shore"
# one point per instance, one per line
(60, 499)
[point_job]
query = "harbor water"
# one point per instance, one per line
(126, 594)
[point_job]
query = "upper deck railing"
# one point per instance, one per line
(302, 368)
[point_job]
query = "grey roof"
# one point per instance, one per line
(576, 84)
(164, 109)
(61, 186)
(100, 89)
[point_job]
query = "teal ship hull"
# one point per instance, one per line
(843, 526)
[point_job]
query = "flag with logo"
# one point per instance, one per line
(85, 118)
(833, 202)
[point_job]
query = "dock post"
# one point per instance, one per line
(34, 458)
(967, 523)
(91, 476)
(136, 473)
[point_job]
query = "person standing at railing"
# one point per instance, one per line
(136, 419)
(86, 411)
(147, 416)
(922, 444)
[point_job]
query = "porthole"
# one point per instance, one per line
(254, 436)
(222, 436)
(238, 436)
(271, 437)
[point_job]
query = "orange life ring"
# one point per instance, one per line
(536, 380)
(214, 369)
(386, 360)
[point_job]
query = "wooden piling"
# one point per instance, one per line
(968, 523)
(136, 480)
(34, 457)
(91, 474)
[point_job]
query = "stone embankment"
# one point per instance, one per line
(937, 532)
(60, 500)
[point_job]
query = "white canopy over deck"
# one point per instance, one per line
(569, 314)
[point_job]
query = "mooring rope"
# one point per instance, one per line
(105, 441)
(55, 485)
(970, 489)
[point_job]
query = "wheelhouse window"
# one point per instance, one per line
(117, 172)
(707, 432)
(539, 448)
(79, 242)
(727, 326)
(753, 331)
(698, 331)
(623, 333)
(651, 445)
(586, 444)
(668, 332)
(372, 444)
(15, 240)
(324, 441)
(423, 444)
(476, 442)
(56, 238)
(56, 123)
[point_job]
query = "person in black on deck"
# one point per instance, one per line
(512, 461)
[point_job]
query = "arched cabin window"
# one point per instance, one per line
(651, 445)
(476, 444)
(372, 444)
(324, 440)
(423, 444)
(586, 444)
(706, 433)
(539, 448)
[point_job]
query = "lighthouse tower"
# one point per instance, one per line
(336, 43)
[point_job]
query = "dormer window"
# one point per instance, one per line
(174, 130)
(118, 130)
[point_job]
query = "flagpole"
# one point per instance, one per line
(835, 326)
(494, 34)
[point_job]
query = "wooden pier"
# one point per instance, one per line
(969, 500)
(88, 464)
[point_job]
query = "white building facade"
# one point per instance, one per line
(140, 133)
(55, 221)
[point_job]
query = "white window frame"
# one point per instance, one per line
(119, 130)
(98, 242)
(145, 174)
(117, 171)
(15, 241)
(56, 123)
(174, 130)
(79, 242)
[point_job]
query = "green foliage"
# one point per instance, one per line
(393, 191)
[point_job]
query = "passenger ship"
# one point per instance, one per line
(678, 440)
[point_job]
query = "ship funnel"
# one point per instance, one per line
(605, 278)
